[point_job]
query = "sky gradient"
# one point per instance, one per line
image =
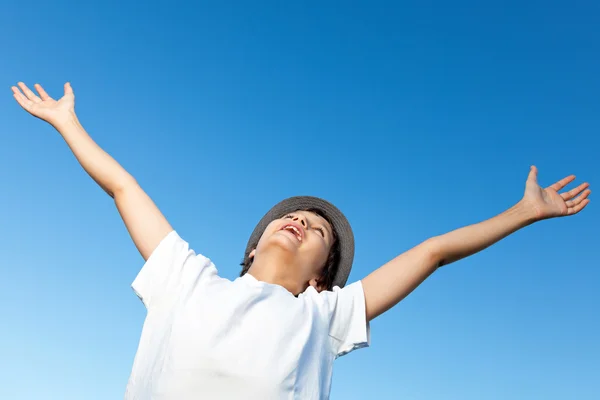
(414, 118)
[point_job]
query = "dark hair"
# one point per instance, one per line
(331, 265)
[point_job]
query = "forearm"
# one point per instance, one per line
(471, 239)
(99, 165)
(145, 223)
(393, 281)
(390, 283)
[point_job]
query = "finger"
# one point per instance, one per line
(43, 95)
(578, 199)
(30, 95)
(562, 183)
(579, 207)
(22, 100)
(532, 174)
(574, 192)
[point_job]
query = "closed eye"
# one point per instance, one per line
(321, 230)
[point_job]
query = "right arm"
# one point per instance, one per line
(146, 225)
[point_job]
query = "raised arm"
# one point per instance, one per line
(392, 282)
(145, 223)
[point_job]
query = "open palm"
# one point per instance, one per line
(44, 106)
(548, 203)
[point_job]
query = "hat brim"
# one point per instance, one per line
(340, 224)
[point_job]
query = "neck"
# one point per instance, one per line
(276, 270)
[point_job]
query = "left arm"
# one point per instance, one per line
(392, 282)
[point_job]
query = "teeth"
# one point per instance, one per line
(296, 231)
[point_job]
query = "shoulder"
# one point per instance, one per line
(349, 296)
(345, 312)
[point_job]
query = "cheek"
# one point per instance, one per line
(269, 231)
(320, 252)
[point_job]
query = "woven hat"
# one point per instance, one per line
(339, 223)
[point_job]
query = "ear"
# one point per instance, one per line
(252, 253)
(314, 282)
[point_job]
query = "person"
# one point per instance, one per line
(275, 331)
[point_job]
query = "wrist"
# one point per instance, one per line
(65, 122)
(527, 212)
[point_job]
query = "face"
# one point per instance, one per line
(293, 251)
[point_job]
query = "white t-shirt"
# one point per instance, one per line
(206, 337)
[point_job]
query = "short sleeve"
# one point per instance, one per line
(349, 327)
(171, 268)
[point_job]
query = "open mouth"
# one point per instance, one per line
(294, 230)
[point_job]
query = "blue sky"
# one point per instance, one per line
(415, 118)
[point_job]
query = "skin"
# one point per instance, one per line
(278, 259)
(392, 282)
(281, 259)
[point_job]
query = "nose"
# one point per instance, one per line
(301, 220)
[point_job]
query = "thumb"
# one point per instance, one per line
(68, 88)
(532, 174)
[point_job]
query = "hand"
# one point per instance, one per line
(44, 106)
(548, 203)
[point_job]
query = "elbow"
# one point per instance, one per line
(121, 186)
(435, 252)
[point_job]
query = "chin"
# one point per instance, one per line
(280, 241)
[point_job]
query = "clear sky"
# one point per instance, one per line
(415, 118)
